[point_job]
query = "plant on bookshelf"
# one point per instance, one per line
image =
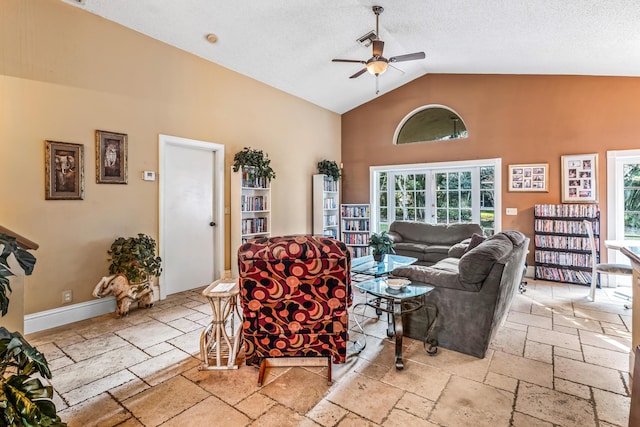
(256, 159)
(329, 168)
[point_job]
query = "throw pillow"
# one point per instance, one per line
(476, 239)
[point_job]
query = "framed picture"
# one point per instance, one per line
(531, 177)
(580, 178)
(111, 157)
(64, 171)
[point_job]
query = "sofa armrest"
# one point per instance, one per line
(395, 237)
(439, 278)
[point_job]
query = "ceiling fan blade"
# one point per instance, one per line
(378, 47)
(407, 57)
(396, 68)
(349, 60)
(359, 73)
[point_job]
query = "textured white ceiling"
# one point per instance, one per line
(289, 44)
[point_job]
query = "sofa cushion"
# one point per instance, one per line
(475, 265)
(475, 240)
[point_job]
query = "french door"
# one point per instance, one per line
(435, 194)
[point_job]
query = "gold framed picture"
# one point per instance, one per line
(111, 157)
(64, 171)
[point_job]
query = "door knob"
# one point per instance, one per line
(213, 224)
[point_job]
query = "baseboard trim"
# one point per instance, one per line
(68, 314)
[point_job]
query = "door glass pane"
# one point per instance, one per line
(399, 182)
(383, 215)
(441, 181)
(465, 180)
(441, 215)
(441, 199)
(420, 181)
(420, 199)
(466, 215)
(454, 215)
(420, 215)
(465, 199)
(453, 181)
(454, 199)
(631, 179)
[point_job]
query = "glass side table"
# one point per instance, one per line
(220, 340)
(395, 303)
(367, 265)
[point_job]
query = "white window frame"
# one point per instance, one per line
(496, 163)
(616, 160)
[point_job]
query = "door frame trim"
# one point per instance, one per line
(218, 197)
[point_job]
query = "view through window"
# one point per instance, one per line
(431, 194)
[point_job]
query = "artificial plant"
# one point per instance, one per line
(381, 244)
(24, 400)
(256, 159)
(135, 257)
(329, 168)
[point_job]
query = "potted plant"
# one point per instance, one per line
(329, 168)
(256, 159)
(24, 400)
(381, 244)
(135, 257)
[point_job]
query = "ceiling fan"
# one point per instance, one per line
(378, 64)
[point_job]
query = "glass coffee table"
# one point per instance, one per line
(380, 296)
(367, 265)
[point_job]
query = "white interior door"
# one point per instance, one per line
(191, 224)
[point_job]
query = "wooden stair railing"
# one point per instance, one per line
(21, 240)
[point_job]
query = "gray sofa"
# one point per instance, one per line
(429, 243)
(472, 293)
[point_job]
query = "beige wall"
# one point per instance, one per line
(65, 73)
(521, 119)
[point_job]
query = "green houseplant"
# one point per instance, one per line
(256, 159)
(329, 168)
(135, 257)
(381, 244)
(24, 400)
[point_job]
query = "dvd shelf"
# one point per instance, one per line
(562, 245)
(250, 209)
(355, 224)
(326, 199)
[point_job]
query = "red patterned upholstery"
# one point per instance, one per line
(294, 292)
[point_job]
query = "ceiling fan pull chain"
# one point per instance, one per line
(377, 85)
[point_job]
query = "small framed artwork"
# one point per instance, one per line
(580, 178)
(64, 171)
(111, 157)
(530, 177)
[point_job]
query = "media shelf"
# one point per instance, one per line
(326, 202)
(250, 209)
(355, 223)
(562, 245)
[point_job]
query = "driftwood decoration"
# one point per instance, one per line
(126, 293)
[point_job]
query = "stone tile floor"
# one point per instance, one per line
(559, 360)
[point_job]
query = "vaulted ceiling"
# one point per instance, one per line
(289, 44)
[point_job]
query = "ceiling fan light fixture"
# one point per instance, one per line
(377, 67)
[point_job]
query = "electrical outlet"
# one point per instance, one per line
(67, 297)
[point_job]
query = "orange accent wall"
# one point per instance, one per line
(519, 118)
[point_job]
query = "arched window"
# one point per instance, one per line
(430, 123)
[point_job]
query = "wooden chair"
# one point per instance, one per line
(596, 267)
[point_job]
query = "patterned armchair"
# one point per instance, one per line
(294, 293)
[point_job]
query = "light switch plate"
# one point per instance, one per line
(512, 211)
(149, 175)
